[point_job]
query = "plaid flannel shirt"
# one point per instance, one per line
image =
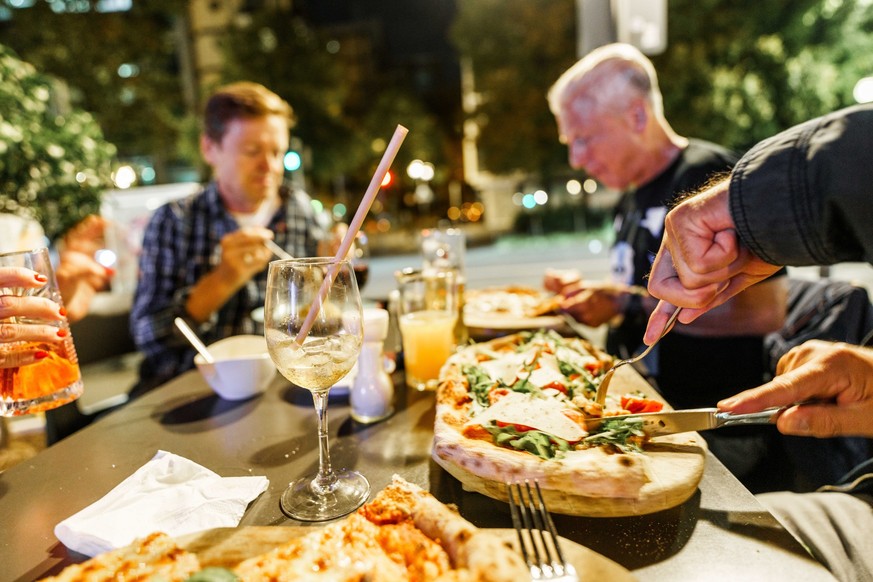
(182, 244)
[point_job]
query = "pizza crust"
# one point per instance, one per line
(404, 533)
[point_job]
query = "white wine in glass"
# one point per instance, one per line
(315, 362)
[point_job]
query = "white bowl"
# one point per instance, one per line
(242, 367)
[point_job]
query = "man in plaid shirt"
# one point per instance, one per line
(203, 258)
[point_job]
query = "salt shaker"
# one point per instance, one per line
(372, 391)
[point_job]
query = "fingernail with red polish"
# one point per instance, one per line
(62, 333)
(40, 278)
(40, 355)
(62, 311)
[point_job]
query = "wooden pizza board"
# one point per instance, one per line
(676, 465)
(226, 547)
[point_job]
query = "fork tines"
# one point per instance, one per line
(537, 537)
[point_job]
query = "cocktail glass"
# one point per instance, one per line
(45, 375)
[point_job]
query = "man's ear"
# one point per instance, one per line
(639, 115)
(207, 148)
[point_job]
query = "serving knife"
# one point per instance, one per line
(695, 419)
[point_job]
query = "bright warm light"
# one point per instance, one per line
(574, 187)
(124, 177)
(540, 197)
(105, 257)
(590, 186)
(415, 169)
(454, 213)
(427, 171)
(863, 92)
(383, 225)
(389, 177)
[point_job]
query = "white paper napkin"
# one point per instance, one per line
(169, 494)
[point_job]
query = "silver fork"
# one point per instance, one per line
(537, 537)
(600, 397)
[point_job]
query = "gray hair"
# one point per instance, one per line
(616, 66)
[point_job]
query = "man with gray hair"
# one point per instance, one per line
(609, 111)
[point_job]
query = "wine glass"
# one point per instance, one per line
(315, 362)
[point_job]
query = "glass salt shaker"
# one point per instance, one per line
(372, 391)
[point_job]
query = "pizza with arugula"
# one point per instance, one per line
(517, 407)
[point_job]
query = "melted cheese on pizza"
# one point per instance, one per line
(535, 393)
(544, 414)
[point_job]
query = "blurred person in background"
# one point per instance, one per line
(203, 257)
(609, 112)
(80, 277)
(802, 197)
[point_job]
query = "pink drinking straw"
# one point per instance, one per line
(354, 227)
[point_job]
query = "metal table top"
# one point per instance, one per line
(720, 533)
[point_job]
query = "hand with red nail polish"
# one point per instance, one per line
(33, 307)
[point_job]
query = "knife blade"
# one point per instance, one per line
(695, 419)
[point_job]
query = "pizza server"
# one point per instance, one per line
(695, 419)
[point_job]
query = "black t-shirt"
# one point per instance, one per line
(690, 372)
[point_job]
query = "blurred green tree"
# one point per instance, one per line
(346, 107)
(120, 66)
(54, 162)
(742, 70)
(734, 72)
(517, 49)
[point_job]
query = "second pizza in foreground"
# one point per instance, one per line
(516, 408)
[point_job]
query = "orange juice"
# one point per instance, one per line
(428, 341)
(44, 384)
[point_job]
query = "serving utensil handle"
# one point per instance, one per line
(766, 416)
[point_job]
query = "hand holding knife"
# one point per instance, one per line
(696, 419)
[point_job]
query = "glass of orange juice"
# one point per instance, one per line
(427, 310)
(36, 375)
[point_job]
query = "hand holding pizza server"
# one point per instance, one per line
(736, 233)
(801, 197)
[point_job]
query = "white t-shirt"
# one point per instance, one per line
(261, 216)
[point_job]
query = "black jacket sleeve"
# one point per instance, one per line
(805, 196)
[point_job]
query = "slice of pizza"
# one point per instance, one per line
(154, 557)
(511, 301)
(403, 534)
(516, 407)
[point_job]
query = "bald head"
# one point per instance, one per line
(610, 115)
(611, 76)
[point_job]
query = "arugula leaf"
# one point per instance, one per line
(536, 442)
(480, 383)
(619, 433)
